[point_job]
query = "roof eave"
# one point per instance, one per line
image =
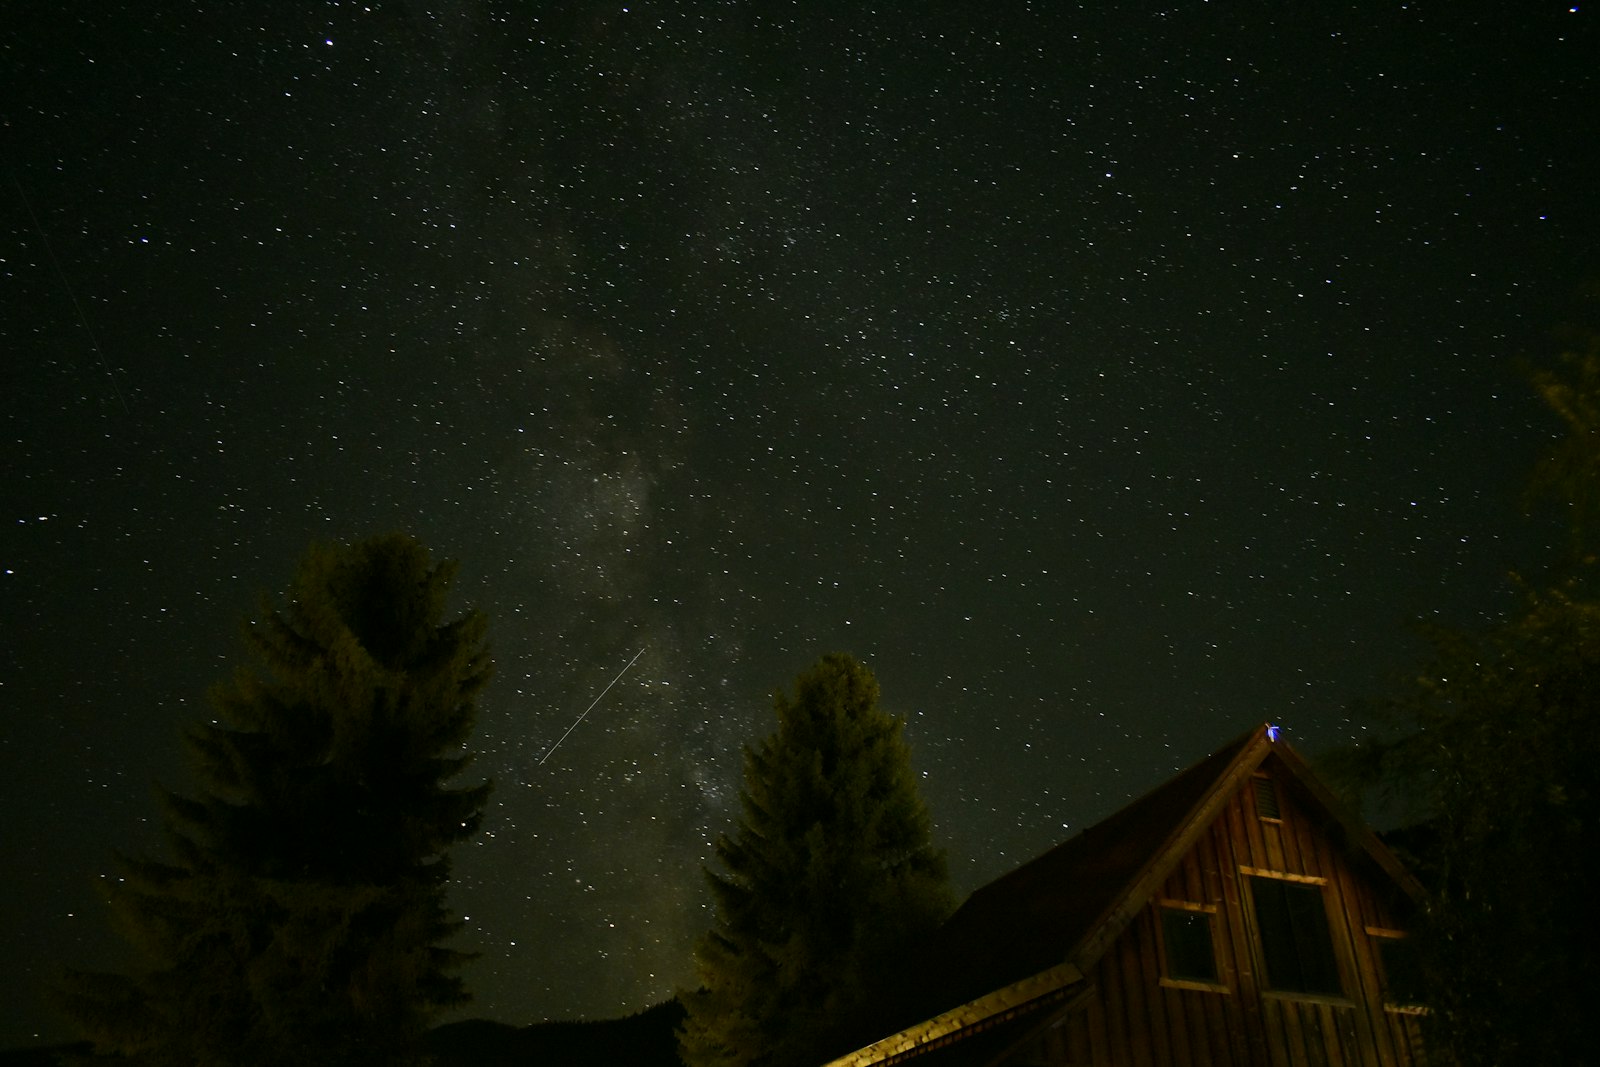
(987, 1009)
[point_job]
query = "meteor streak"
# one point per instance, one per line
(590, 708)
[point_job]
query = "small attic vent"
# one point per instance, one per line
(1267, 799)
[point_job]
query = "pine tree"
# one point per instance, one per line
(829, 874)
(300, 916)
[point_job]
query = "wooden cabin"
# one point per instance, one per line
(1235, 915)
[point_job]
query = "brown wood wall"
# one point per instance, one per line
(1133, 1020)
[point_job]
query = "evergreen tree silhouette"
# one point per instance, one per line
(300, 916)
(829, 874)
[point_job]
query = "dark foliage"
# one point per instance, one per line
(1498, 755)
(648, 1039)
(44, 1055)
(301, 916)
(828, 877)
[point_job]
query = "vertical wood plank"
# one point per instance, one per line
(1350, 1041)
(1276, 1034)
(1207, 1013)
(1222, 1015)
(1352, 945)
(1394, 1035)
(1313, 1031)
(1140, 1011)
(1295, 859)
(1109, 1049)
(1076, 1040)
(1249, 1039)
(1251, 842)
(1413, 1031)
(1272, 845)
(1294, 1029)
(1386, 1051)
(1194, 878)
(1178, 1003)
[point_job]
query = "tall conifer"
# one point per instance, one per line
(829, 873)
(301, 914)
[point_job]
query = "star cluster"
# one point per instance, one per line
(1109, 380)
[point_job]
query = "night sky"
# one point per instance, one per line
(1109, 377)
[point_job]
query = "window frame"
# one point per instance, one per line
(1396, 1005)
(1337, 965)
(1264, 787)
(1167, 979)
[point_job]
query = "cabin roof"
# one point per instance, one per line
(1058, 912)
(1032, 917)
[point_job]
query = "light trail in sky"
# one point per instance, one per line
(590, 708)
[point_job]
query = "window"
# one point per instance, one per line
(1402, 971)
(1186, 936)
(1296, 947)
(1267, 800)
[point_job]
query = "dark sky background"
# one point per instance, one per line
(1109, 377)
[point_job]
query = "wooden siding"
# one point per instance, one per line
(1134, 1018)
